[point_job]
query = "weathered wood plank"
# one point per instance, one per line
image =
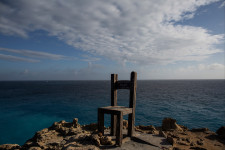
(114, 79)
(131, 117)
(116, 110)
(100, 121)
(119, 135)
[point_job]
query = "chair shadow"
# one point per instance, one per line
(135, 139)
(138, 140)
(164, 141)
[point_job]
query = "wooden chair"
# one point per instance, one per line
(117, 112)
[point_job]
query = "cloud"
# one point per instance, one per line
(143, 32)
(214, 66)
(25, 71)
(35, 54)
(222, 4)
(172, 71)
(202, 71)
(203, 67)
(15, 58)
(89, 58)
(92, 70)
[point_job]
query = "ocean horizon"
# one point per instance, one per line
(29, 106)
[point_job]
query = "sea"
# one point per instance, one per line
(29, 106)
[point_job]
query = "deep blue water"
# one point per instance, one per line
(26, 107)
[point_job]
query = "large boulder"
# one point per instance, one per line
(170, 124)
(221, 132)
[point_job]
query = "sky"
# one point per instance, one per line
(90, 39)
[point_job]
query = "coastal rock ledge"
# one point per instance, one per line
(73, 136)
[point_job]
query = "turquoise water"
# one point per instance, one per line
(26, 107)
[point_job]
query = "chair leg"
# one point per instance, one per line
(119, 135)
(113, 124)
(101, 122)
(131, 125)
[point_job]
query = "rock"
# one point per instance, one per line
(171, 140)
(66, 128)
(63, 142)
(199, 142)
(125, 124)
(221, 132)
(73, 131)
(64, 131)
(170, 124)
(56, 126)
(96, 139)
(34, 148)
(88, 147)
(100, 134)
(83, 139)
(192, 144)
(149, 127)
(72, 136)
(9, 146)
(174, 135)
(90, 127)
(156, 132)
(183, 127)
(198, 148)
(45, 139)
(75, 123)
(218, 145)
(199, 130)
(176, 148)
(71, 145)
(162, 133)
(106, 140)
(182, 143)
(188, 140)
(183, 133)
(77, 146)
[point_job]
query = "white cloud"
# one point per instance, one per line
(35, 54)
(222, 4)
(202, 71)
(94, 70)
(89, 58)
(172, 71)
(15, 58)
(202, 67)
(141, 32)
(216, 66)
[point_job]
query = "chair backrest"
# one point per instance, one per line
(124, 84)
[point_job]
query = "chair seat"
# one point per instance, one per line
(116, 110)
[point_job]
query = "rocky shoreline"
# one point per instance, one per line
(73, 136)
